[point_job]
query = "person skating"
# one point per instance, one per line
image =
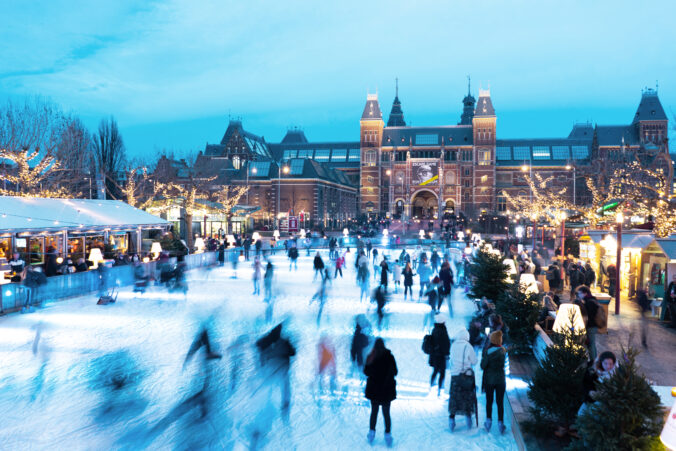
(380, 298)
(318, 264)
(275, 354)
(493, 382)
(363, 276)
(293, 257)
(446, 276)
(441, 347)
(340, 262)
(384, 269)
(320, 295)
(359, 343)
(257, 274)
(396, 276)
(380, 370)
(424, 272)
(408, 281)
(326, 353)
(463, 387)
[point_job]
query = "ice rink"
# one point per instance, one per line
(51, 395)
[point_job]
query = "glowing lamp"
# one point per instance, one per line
(256, 236)
(563, 316)
(276, 234)
(461, 235)
(302, 233)
(346, 232)
(519, 232)
(468, 250)
(199, 244)
(422, 234)
(95, 257)
(528, 284)
(385, 232)
(146, 259)
(230, 239)
(59, 260)
(241, 258)
(156, 249)
(619, 218)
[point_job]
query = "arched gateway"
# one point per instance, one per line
(424, 205)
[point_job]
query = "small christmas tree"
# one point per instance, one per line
(519, 311)
(556, 391)
(626, 413)
(489, 275)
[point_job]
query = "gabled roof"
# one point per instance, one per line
(214, 150)
(584, 130)
(484, 106)
(612, 135)
(294, 136)
(32, 213)
(206, 166)
(372, 108)
(650, 108)
(396, 114)
(255, 144)
(452, 135)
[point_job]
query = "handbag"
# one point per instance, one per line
(466, 379)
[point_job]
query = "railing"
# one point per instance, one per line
(13, 296)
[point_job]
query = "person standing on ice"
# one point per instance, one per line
(234, 260)
(318, 264)
(293, 257)
(494, 382)
(463, 386)
(320, 295)
(380, 298)
(424, 272)
(384, 269)
(408, 280)
(380, 370)
(257, 274)
(359, 343)
(340, 262)
(363, 276)
(441, 347)
(396, 276)
(327, 362)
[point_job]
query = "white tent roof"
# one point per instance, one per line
(30, 213)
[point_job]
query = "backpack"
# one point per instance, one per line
(601, 318)
(427, 345)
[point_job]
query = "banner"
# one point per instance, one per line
(424, 173)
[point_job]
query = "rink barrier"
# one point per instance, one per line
(13, 295)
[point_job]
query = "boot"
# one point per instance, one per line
(451, 424)
(469, 421)
(487, 424)
(388, 439)
(370, 436)
(501, 427)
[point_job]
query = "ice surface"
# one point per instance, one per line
(112, 377)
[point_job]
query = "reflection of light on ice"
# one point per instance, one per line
(515, 383)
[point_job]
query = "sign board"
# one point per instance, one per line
(293, 223)
(424, 173)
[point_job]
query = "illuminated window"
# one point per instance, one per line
(484, 178)
(236, 162)
(484, 157)
(338, 154)
(541, 153)
(322, 155)
(371, 158)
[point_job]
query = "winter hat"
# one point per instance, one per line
(496, 338)
(440, 318)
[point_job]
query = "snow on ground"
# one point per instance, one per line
(49, 398)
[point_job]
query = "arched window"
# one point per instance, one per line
(236, 163)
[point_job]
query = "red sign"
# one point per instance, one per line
(293, 224)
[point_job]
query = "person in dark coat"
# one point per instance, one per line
(446, 276)
(319, 266)
(276, 352)
(359, 343)
(408, 280)
(441, 348)
(51, 266)
(293, 257)
(384, 269)
(221, 254)
(494, 383)
(381, 388)
(589, 275)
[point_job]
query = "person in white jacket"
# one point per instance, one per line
(463, 386)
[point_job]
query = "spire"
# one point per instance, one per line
(468, 106)
(396, 114)
(372, 108)
(484, 106)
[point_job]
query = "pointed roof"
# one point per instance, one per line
(650, 108)
(396, 115)
(484, 106)
(372, 108)
(294, 136)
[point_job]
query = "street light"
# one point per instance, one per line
(285, 169)
(619, 218)
(562, 216)
(529, 168)
(254, 170)
(569, 167)
(389, 192)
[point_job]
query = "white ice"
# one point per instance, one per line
(47, 400)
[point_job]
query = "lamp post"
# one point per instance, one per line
(563, 241)
(619, 219)
(389, 192)
(569, 167)
(279, 179)
(247, 180)
(529, 168)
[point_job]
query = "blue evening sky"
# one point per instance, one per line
(172, 72)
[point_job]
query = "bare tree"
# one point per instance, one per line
(74, 154)
(109, 153)
(30, 132)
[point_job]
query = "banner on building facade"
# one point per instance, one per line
(424, 173)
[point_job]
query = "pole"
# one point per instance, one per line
(563, 242)
(247, 183)
(535, 230)
(279, 176)
(617, 265)
(574, 183)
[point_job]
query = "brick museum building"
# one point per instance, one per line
(426, 172)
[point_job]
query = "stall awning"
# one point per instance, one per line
(668, 246)
(20, 214)
(639, 239)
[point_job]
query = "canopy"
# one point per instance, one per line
(18, 214)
